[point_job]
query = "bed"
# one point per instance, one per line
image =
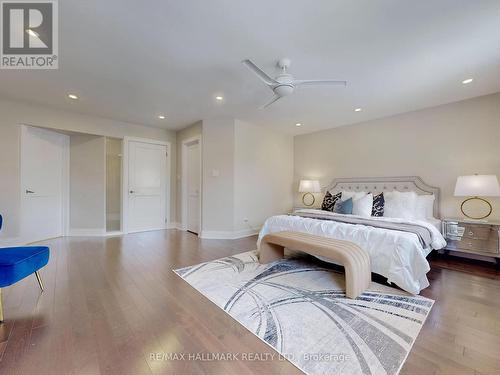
(397, 247)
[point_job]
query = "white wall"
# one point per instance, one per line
(13, 113)
(437, 144)
(247, 173)
(218, 158)
(87, 184)
(263, 175)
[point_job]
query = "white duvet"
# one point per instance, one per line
(396, 255)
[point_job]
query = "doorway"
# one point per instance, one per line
(146, 185)
(191, 185)
(44, 183)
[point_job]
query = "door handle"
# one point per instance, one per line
(131, 192)
(29, 192)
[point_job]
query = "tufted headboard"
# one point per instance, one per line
(382, 184)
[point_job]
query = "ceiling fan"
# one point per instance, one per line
(284, 84)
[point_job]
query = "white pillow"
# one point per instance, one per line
(425, 206)
(352, 194)
(400, 205)
(363, 206)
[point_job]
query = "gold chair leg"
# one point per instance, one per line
(39, 279)
(1, 307)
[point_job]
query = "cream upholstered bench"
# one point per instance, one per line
(355, 260)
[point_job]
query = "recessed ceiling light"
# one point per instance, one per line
(298, 124)
(161, 117)
(73, 96)
(467, 81)
(358, 109)
(219, 98)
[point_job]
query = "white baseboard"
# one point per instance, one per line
(86, 232)
(245, 233)
(174, 225)
(228, 235)
(216, 235)
(113, 233)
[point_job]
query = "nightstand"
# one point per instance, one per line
(476, 237)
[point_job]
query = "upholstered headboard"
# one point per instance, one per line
(382, 184)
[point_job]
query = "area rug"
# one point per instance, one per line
(299, 308)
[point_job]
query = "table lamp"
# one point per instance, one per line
(477, 186)
(308, 187)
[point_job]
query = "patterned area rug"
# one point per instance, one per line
(298, 307)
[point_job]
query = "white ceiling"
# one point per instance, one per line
(132, 60)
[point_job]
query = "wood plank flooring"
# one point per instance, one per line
(110, 303)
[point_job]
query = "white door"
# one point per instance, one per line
(43, 174)
(193, 187)
(147, 166)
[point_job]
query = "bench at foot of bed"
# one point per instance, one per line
(355, 260)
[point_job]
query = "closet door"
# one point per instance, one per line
(43, 174)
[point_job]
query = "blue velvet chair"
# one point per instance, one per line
(16, 263)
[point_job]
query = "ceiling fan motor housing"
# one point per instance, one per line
(285, 86)
(283, 90)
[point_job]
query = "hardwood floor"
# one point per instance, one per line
(109, 303)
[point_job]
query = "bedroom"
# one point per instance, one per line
(149, 150)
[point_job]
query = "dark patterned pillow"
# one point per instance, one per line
(329, 201)
(378, 205)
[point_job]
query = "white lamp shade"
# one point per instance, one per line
(309, 186)
(477, 186)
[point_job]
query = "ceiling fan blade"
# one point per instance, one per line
(263, 76)
(312, 82)
(276, 97)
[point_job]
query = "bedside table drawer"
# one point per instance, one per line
(474, 245)
(479, 232)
